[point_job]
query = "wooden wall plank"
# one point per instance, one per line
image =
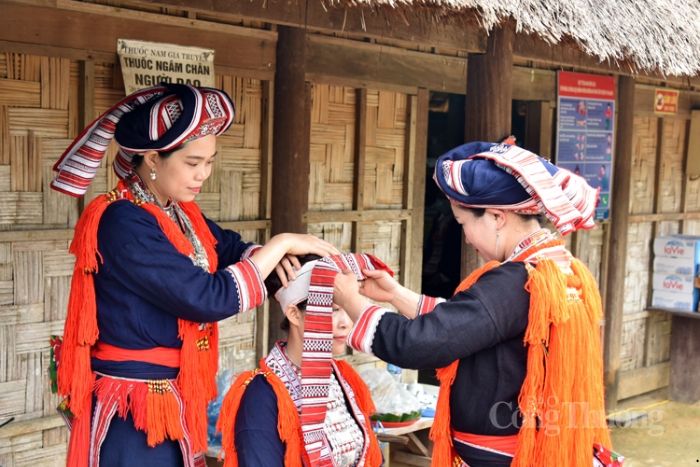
(385, 64)
(642, 380)
(620, 202)
(355, 22)
(17, 93)
(99, 32)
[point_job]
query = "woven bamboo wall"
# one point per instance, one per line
(386, 136)
(333, 167)
(39, 115)
(332, 148)
(658, 185)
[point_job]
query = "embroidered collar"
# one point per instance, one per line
(174, 212)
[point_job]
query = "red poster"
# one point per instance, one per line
(586, 86)
(666, 101)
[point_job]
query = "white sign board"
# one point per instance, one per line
(146, 64)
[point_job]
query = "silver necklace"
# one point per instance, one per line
(175, 212)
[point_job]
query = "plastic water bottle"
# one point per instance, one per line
(395, 371)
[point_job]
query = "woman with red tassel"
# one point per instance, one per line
(152, 277)
(301, 407)
(518, 345)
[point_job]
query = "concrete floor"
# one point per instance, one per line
(667, 435)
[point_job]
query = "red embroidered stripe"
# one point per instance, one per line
(362, 334)
(505, 445)
(426, 304)
(251, 288)
(164, 356)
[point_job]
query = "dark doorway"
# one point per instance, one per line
(442, 236)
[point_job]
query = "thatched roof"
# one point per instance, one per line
(654, 35)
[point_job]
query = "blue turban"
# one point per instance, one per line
(504, 176)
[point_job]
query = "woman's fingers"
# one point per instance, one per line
(282, 275)
(295, 262)
(288, 269)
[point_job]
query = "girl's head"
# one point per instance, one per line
(293, 300)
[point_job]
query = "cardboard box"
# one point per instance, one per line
(678, 246)
(673, 282)
(674, 300)
(670, 265)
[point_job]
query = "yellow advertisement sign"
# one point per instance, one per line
(145, 64)
(666, 101)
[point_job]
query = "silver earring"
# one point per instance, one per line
(153, 174)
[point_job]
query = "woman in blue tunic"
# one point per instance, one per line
(152, 277)
(517, 346)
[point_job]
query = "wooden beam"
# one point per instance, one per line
(291, 143)
(414, 26)
(359, 156)
(534, 48)
(81, 31)
(490, 89)
(364, 215)
(533, 84)
(259, 224)
(415, 224)
(685, 364)
(385, 64)
(642, 380)
(644, 103)
(262, 313)
(664, 217)
(489, 103)
(617, 253)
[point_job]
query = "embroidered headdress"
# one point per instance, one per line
(160, 118)
(504, 176)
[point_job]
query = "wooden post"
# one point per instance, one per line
(290, 149)
(262, 313)
(489, 102)
(617, 253)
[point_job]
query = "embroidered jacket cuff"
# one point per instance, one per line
(362, 334)
(250, 251)
(249, 284)
(426, 304)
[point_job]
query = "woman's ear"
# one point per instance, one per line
(294, 315)
(499, 217)
(150, 158)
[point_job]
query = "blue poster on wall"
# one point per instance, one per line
(585, 131)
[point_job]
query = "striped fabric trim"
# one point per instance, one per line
(565, 198)
(78, 165)
(362, 334)
(106, 409)
(250, 251)
(482, 448)
(426, 304)
(249, 284)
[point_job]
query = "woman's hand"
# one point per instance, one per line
(346, 294)
(279, 253)
(305, 244)
(378, 286)
(286, 269)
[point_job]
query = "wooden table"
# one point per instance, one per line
(685, 355)
(408, 444)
